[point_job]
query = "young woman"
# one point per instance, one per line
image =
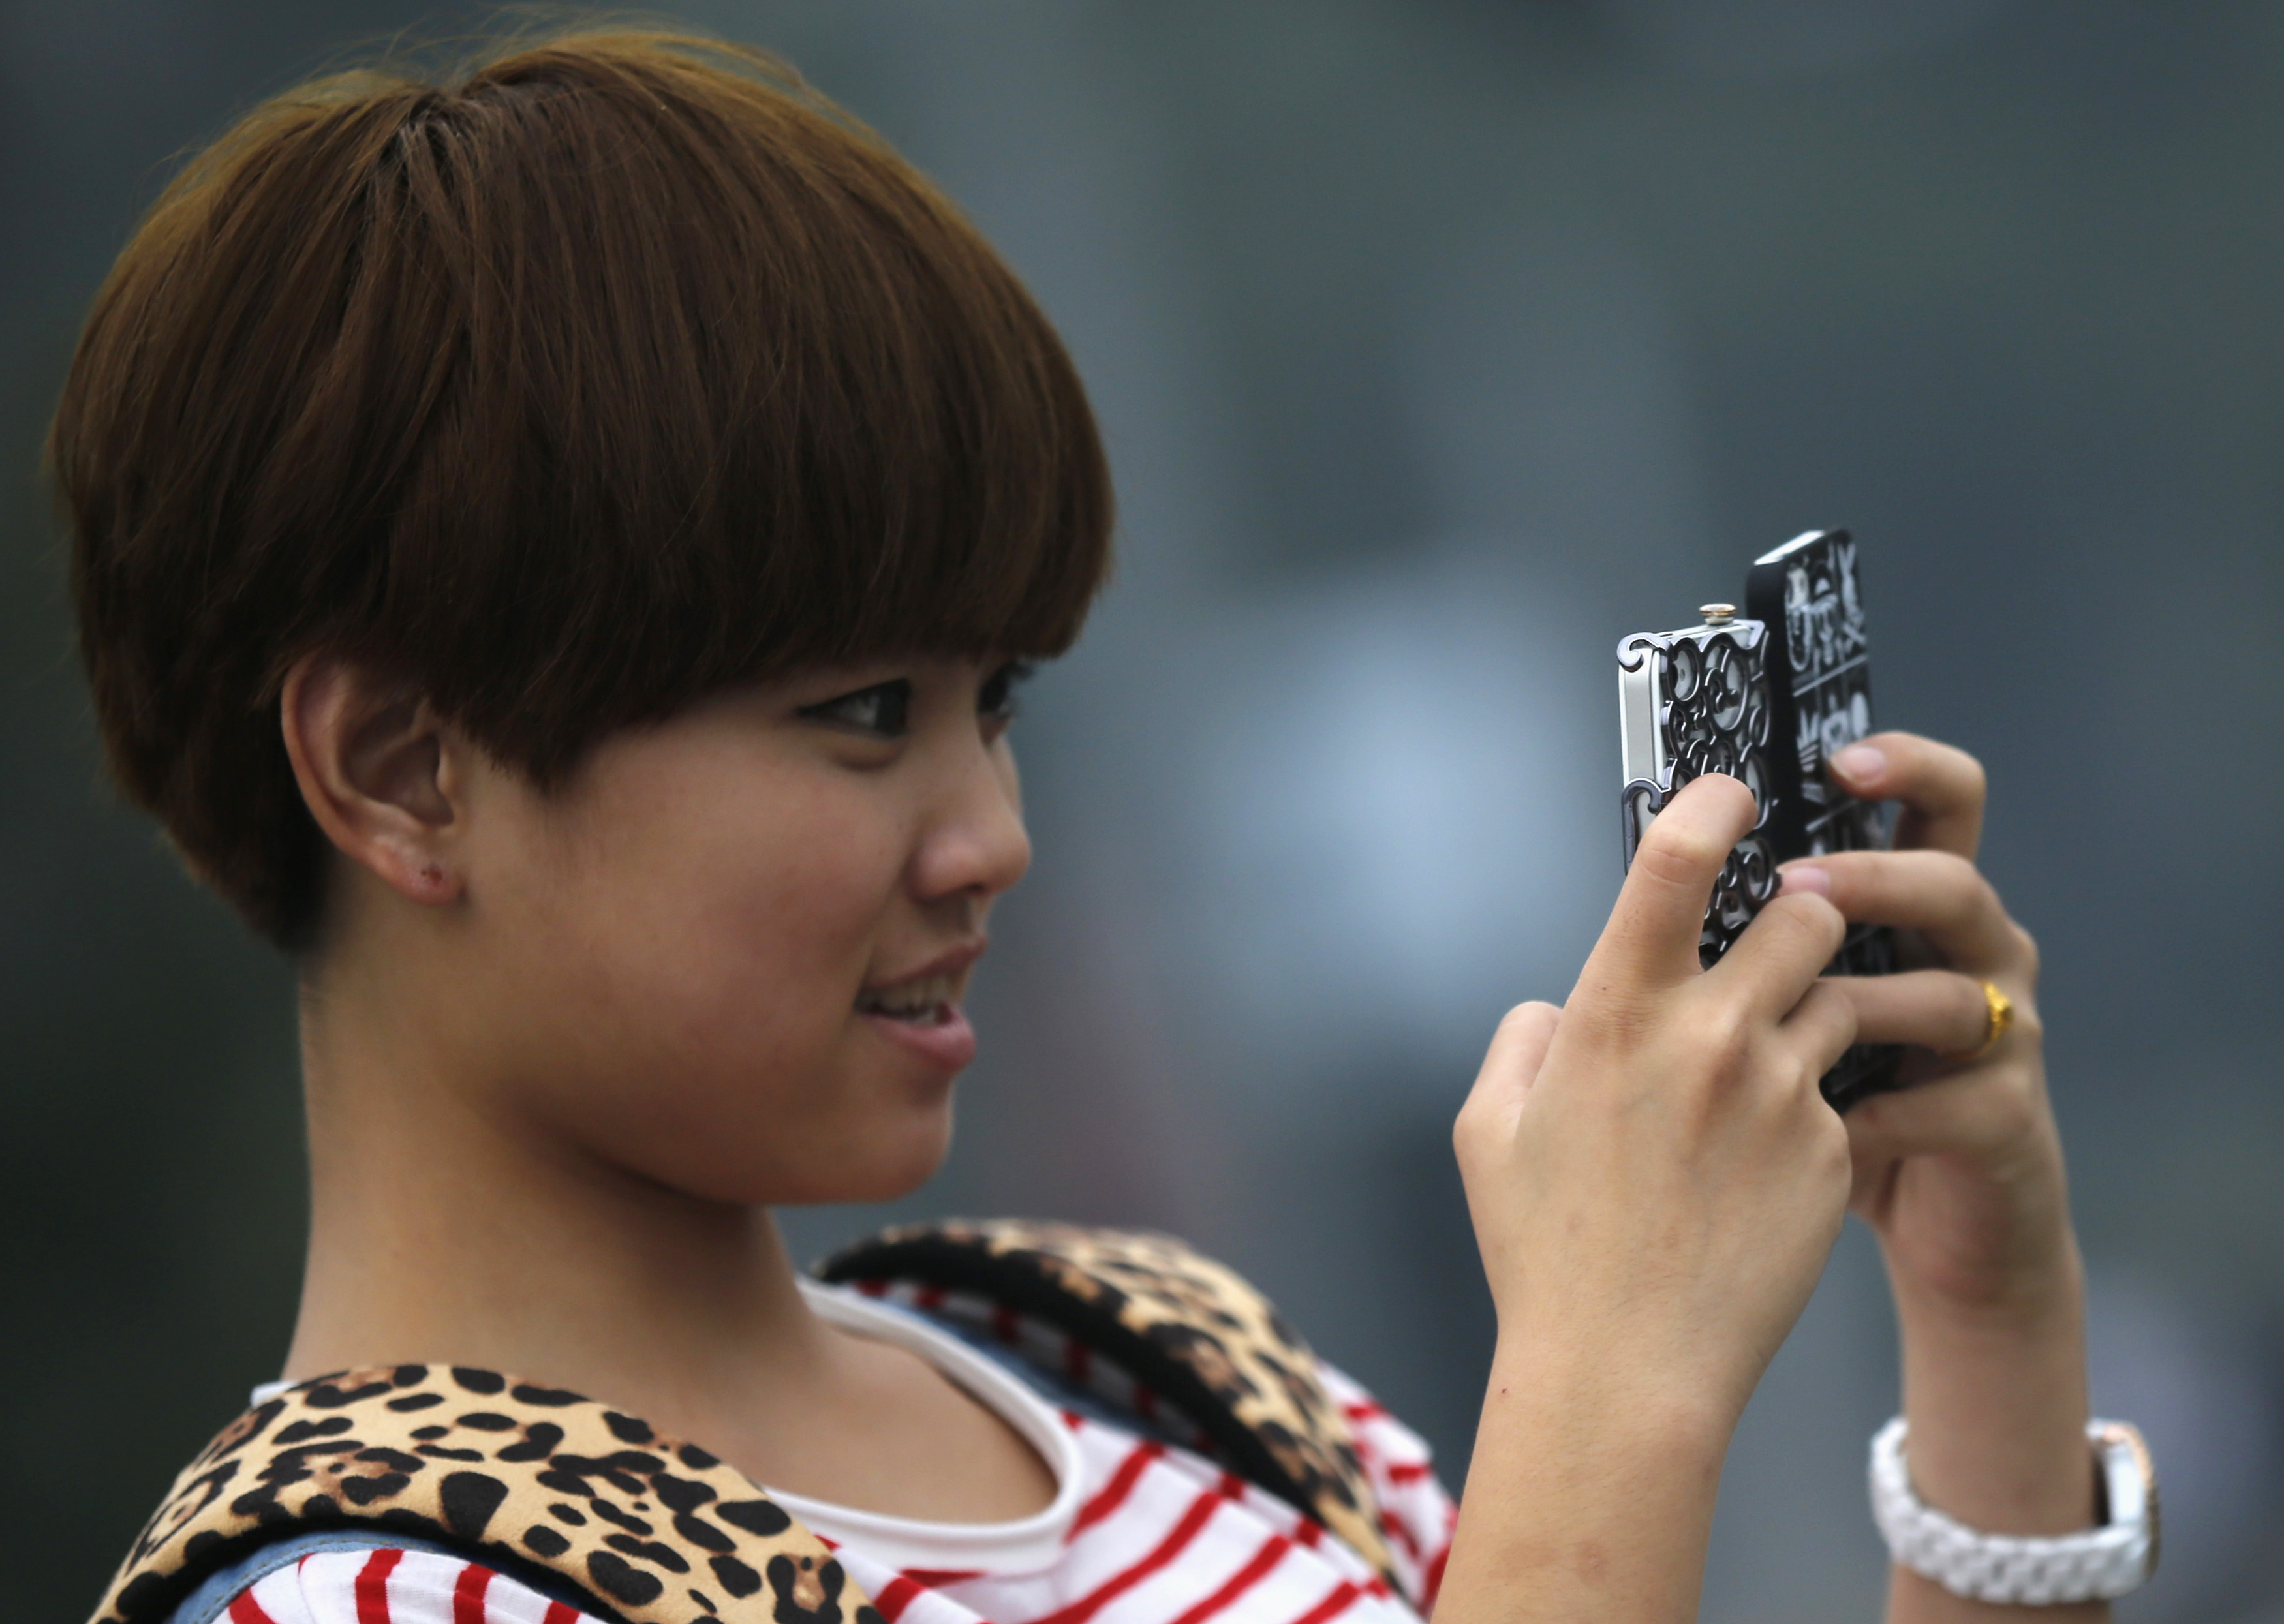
(555, 550)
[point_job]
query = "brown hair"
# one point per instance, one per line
(620, 368)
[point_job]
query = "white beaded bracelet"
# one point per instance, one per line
(2022, 1570)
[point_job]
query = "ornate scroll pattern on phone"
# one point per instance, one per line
(1714, 719)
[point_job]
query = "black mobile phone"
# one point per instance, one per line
(1767, 698)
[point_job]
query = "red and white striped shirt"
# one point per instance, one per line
(1151, 1533)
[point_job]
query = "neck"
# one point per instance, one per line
(441, 1234)
(457, 1217)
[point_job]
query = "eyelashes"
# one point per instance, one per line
(996, 700)
(884, 709)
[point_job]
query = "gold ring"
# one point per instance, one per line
(2002, 1016)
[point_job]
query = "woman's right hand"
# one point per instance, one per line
(1651, 1168)
(1655, 1182)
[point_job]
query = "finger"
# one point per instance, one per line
(1651, 940)
(1519, 1047)
(1969, 1113)
(1935, 1009)
(1943, 897)
(1820, 1028)
(1782, 952)
(1511, 1065)
(1942, 788)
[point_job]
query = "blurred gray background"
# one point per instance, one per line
(1439, 343)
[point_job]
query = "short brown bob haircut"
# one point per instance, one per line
(617, 370)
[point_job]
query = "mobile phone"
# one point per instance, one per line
(1767, 698)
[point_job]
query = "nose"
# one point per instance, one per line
(976, 845)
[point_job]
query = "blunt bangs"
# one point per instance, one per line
(621, 369)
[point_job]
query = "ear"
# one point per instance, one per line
(380, 773)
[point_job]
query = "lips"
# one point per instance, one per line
(945, 1045)
(919, 1011)
(925, 1000)
(927, 994)
(922, 1017)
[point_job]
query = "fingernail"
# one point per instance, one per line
(1805, 876)
(1861, 762)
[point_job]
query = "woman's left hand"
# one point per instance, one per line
(1960, 1174)
(1960, 1177)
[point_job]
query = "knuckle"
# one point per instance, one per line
(1808, 919)
(1954, 872)
(1465, 1130)
(1723, 1040)
(2026, 950)
(1834, 1005)
(1474, 1130)
(1813, 1070)
(1836, 1156)
(1525, 1017)
(1974, 780)
(1826, 1124)
(1831, 923)
(1965, 892)
(2013, 1105)
(1679, 856)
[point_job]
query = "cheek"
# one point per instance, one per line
(759, 1081)
(687, 938)
(668, 966)
(729, 921)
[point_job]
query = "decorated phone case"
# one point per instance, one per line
(1693, 702)
(1767, 698)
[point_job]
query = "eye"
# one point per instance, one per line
(885, 709)
(994, 701)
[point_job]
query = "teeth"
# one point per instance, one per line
(911, 1000)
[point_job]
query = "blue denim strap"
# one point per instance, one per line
(212, 1598)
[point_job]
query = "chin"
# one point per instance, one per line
(883, 1156)
(886, 1185)
(890, 1162)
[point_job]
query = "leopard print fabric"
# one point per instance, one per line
(655, 1531)
(1184, 1326)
